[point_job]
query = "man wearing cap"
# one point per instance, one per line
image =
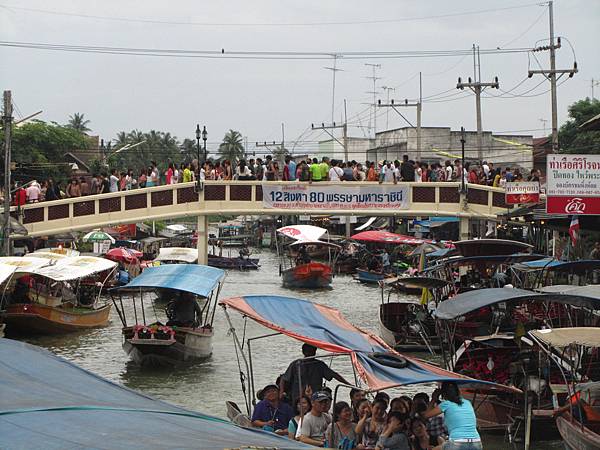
(270, 413)
(315, 423)
(306, 372)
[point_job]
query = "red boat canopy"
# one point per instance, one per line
(327, 329)
(385, 237)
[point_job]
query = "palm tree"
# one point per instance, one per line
(232, 147)
(78, 122)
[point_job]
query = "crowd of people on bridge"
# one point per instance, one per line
(311, 170)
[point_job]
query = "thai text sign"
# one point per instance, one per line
(346, 196)
(522, 192)
(573, 184)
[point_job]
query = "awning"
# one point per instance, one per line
(472, 300)
(192, 278)
(562, 337)
(50, 403)
(385, 237)
(479, 247)
(182, 254)
(327, 329)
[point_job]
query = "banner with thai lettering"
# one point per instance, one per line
(345, 196)
(522, 192)
(573, 184)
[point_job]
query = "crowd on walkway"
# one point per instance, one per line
(306, 170)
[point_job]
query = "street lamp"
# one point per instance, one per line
(204, 135)
(198, 136)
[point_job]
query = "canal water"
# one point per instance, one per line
(206, 386)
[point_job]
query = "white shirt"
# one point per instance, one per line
(33, 193)
(175, 177)
(243, 173)
(335, 173)
(388, 174)
(486, 169)
(449, 172)
(419, 175)
(114, 183)
(202, 174)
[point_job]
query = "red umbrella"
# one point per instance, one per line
(123, 254)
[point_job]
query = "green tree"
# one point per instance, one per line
(38, 149)
(232, 147)
(573, 139)
(153, 145)
(78, 122)
(189, 149)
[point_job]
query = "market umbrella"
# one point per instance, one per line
(98, 236)
(123, 254)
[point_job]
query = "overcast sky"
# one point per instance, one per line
(123, 92)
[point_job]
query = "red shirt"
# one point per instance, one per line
(169, 175)
(286, 173)
(20, 197)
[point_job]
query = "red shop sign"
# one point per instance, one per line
(573, 205)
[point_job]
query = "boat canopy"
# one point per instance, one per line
(180, 254)
(6, 272)
(48, 402)
(302, 232)
(24, 264)
(385, 237)
(424, 282)
(320, 243)
(590, 290)
(193, 278)
(472, 300)
(486, 260)
(563, 337)
(327, 329)
(476, 247)
(62, 269)
(58, 251)
(554, 265)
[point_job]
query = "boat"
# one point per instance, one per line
(154, 343)
(406, 324)
(376, 365)
(55, 296)
(233, 263)
(177, 255)
(48, 402)
(295, 265)
(372, 276)
(572, 350)
(233, 235)
(481, 247)
(6, 273)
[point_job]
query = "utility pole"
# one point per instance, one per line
(282, 136)
(333, 69)
(374, 92)
(7, 121)
(594, 84)
(544, 122)
(551, 75)
(387, 113)
(463, 189)
(326, 129)
(418, 105)
(477, 87)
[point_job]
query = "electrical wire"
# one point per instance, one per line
(527, 30)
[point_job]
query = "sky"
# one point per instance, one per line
(255, 96)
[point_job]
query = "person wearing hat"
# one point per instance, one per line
(272, 414)
(315, 423)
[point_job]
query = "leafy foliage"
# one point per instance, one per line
(232, 147)
(153, 145)
(573, 139)
(78, 122)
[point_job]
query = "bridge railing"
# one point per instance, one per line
(234, 197)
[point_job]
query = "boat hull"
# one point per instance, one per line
(366, 276)
(34, 318)
(233, 263)
(189, 345)
(576, 437)
(313, 275)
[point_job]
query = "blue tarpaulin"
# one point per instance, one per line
(193, 278)
(49, 403)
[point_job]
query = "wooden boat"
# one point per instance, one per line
(57, 296)
(372, 276)
(578, 436)
(180, 339)
(233, 263)
(295, 265)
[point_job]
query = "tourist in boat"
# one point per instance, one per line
(435, 425)
(315, 423)
(459, 417)
(303, 256)
(312, 372)
(421, 439)
(271, 414)
(184, 311)
(356, 397)
(302, 406)
(372, 427)
(392, 436)
(341, 433)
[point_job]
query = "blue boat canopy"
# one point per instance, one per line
(196, 279)
(472, 300)
(50, 403)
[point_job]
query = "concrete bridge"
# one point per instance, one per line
(244, 197)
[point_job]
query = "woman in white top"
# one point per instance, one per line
(335, 173)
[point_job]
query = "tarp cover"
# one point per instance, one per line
(302, 232)
(193, 278)
(50, 403)
(183, 254)
(470, 301)
(385, 237)
(562, 337)
(327, 329)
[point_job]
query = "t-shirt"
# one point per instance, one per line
(460, 419)
(281, 414)
(335, 174)
(449, 173)
(388, 174)
(169, 176)
(315, 171)
(314, 427)
(312, 372)
(407, 171)
(334, 437)
(187, 175)
(33, 193)
(397, 441)
(292, 171)
(114, 183)
(324, 167)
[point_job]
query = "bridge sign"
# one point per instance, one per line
(522, 192)
(346, 196)
(573, 184)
